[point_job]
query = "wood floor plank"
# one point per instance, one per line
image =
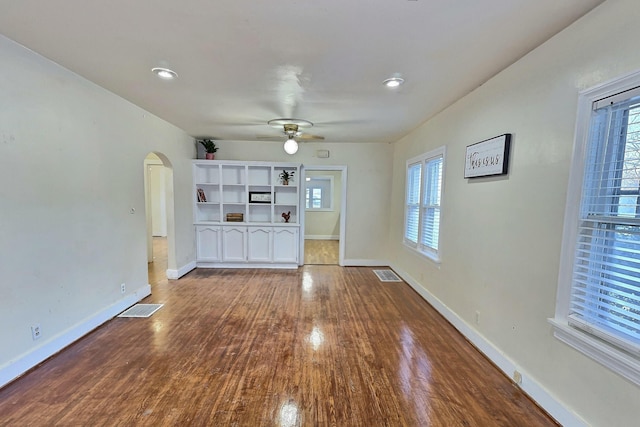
(321, 345)
(321, 252)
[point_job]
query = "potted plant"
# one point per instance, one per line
(209, 147)
(286, 176)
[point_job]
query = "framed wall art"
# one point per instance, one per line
(488, 157)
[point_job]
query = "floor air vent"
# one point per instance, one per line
(387, 276)
(141, 310)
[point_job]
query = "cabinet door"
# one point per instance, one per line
(285, 245)
(208, 243)
(259, 244)
(234, 244)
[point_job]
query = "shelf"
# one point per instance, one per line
(227, 184)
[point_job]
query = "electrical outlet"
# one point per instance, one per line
(123, 288)
(477, 317)
(517, 377)
(36, 331)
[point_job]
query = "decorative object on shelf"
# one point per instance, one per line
(209, 147)
(235, 217)
(286, 216)
(488, 157)
(286, 176)
(201, 196)
(259, 197)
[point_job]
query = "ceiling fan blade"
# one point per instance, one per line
(309, 137)
(271, 137)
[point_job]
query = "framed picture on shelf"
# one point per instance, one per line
(259, 197)
(201, 197)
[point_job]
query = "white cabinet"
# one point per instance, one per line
(285, 245)
(208, 243)
(245, 215)
(260, 243)
(234, 244)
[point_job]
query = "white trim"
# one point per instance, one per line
(532, 388)
(15, 368)
(321, 237)
(598, 350)
(176, 274)
(365, 263)
(343, 208)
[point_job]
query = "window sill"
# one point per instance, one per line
(616, 360)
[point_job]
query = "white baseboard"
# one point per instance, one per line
(289, 266)
(321, 237)
(532, 388)
(13, 369)
(176, 274)
(365, 263)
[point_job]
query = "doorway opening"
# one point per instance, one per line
(158, 191)
(324, 200)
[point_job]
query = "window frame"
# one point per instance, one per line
(309, 187)
(624, 363)
(434, 254)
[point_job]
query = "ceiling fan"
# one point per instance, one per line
(291, 129)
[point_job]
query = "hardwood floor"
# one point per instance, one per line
(321, 252)
(317, 346)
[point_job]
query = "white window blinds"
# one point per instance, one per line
(431, 204)
(412, 219)
(422, 203)
(605, 294)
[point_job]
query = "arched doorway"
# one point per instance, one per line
(158, 191)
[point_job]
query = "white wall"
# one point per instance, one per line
(71, 171)
(368, 187)
(325, 224)
(501, 237)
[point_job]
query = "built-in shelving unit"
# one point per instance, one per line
(238, 214)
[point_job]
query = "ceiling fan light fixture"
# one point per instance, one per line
(291, 146)
(393, 82)
(164, 73)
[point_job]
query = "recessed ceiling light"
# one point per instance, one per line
(393, 82)
(164, 73)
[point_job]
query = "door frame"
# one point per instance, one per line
(343, 206)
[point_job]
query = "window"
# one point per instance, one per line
(319, 193)
(598, 308)
(422, 203)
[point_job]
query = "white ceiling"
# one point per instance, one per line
(242, 63)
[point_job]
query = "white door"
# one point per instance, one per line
(259, 244)
(285, 244)
(208, 243)
(234, 244)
